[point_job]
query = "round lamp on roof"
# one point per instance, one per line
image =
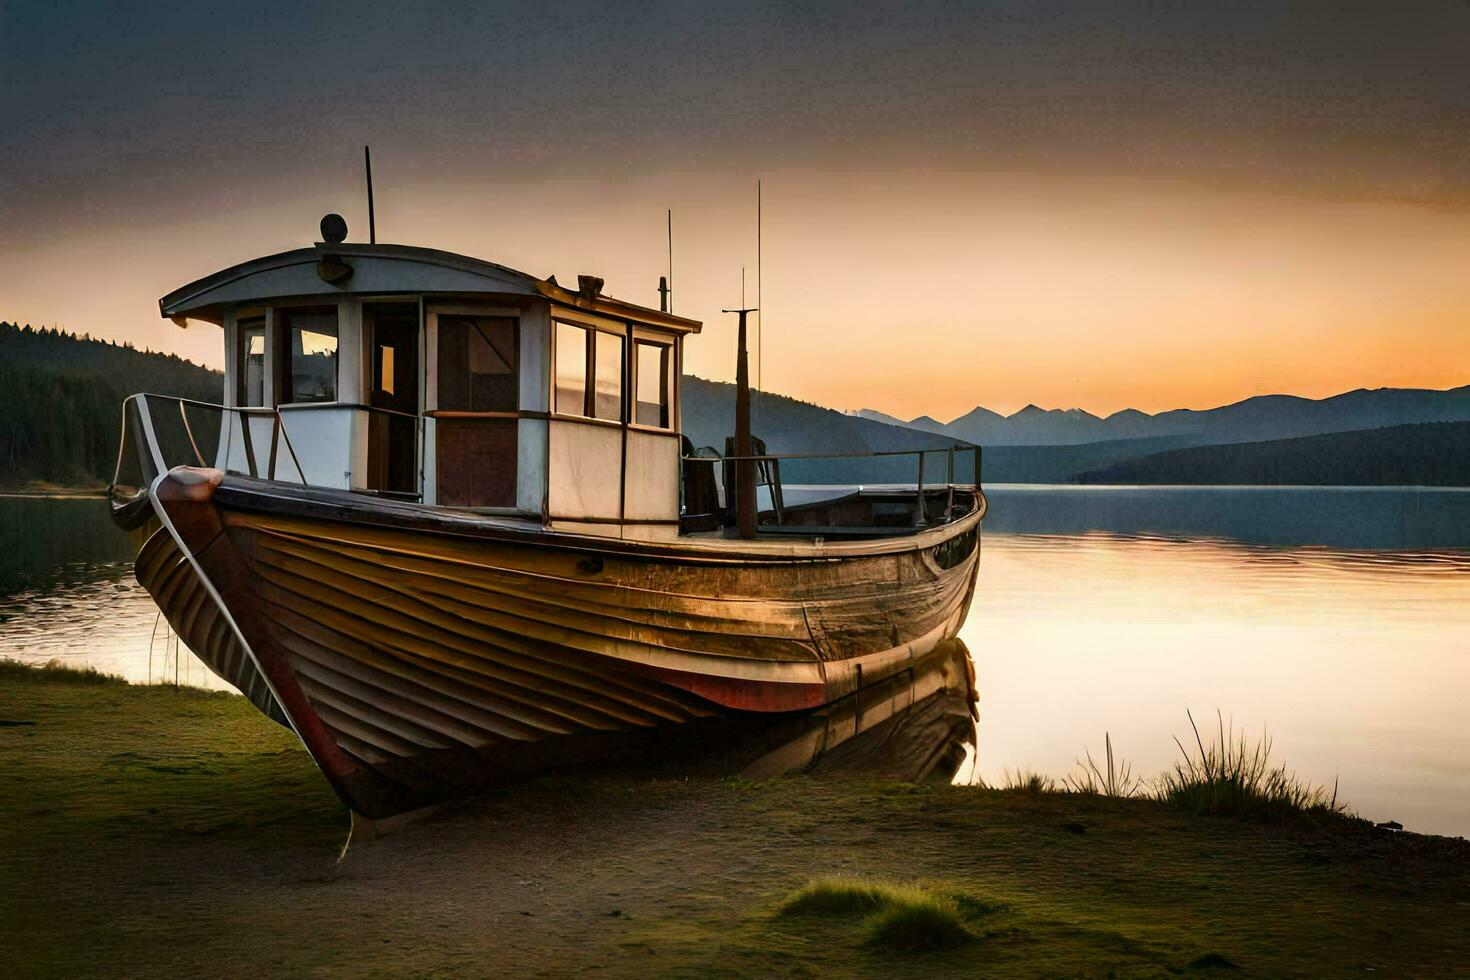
(334, 229)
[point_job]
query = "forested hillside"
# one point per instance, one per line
(61, 401)
(791, 426)
(1435, 454)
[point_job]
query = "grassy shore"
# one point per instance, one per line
(144, 830)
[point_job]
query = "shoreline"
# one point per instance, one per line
(53, 491)
(152, 830)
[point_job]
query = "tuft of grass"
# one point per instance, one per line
(1094, 780)
(1027, 781)
(1233, 776)
(920, 922)
(54, 672)
(896, 918)
(840, 897)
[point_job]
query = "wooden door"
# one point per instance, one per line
(476, 420)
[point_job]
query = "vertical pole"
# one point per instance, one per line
(760, 319)
(919, 494)
(367, 160)
(671, 260)
(949, 497)
(744, 465)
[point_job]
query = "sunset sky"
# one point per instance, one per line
(1091, 205)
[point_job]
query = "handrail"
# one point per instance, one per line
(263, 410)
(867, 455)
(279, 430)
(295, 461)
(920, 486)
(189, 431)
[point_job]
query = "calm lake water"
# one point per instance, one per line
(1337, 619)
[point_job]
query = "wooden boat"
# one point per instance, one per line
(445, 527)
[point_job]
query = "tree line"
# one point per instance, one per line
(61, 398)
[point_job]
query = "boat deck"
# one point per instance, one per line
(808, 526)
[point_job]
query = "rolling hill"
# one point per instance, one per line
(791, 426)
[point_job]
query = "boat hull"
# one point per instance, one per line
(420, 656)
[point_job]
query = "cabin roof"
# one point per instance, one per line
(384, 270)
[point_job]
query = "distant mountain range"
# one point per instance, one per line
(61, 395)
(1263, 440)
(1253, 420)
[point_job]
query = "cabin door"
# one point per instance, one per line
(478, 400)
(393, 389)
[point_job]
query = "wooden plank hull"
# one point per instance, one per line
(420, 657)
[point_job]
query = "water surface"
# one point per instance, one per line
(67, 593)
(1338, 619)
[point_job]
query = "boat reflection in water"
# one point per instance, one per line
(918, 725)
(914, 726)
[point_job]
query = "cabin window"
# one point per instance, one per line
(589, 372)
(607, 376)
(654, 383)
(250, 367)
(308, 356)
(478, 365)
(571, 369)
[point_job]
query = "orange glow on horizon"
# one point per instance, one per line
(910, 292)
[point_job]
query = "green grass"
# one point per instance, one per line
(1116, 779)
(54, 672)
(1027, 781)
(896, 918)
(839, 897)
(920, 923)
(1234, 777)
(148, 831)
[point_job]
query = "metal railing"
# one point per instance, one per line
(769, 476)
(158, 434)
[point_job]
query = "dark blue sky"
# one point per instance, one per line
(132, 105)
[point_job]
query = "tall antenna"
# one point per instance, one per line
(671, 260)
(367, 160)
(760, 347)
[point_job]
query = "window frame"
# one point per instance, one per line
(514, 363)
(589, 381)
(281, 318)
(670, 379)
(242, 359)
(622, 362)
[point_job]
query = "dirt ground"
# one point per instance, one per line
(144, 831)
